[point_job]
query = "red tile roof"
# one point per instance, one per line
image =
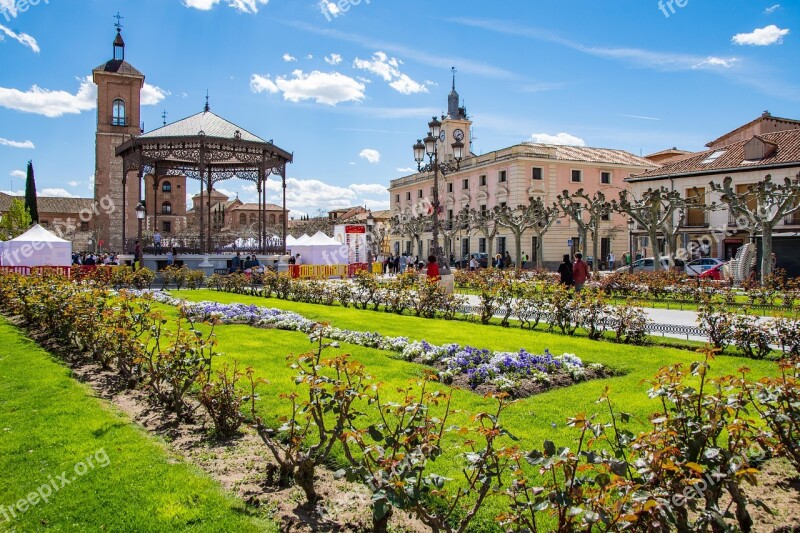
(732, 158)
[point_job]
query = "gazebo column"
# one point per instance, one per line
(260, 211)
(284, 214)
(155, 202)
(200, 207)
(210, 244)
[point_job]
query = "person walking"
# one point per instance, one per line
(236, 263)
(507, 261)
(565, 271)
(580, 272)
(137, 255)
(611, 261)
(157, 242)
(473, 264)
(403, 263)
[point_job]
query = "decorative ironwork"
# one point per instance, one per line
(209, 160)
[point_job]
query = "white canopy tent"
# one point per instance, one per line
(318, 250)
(37, 247)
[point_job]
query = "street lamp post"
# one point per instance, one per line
(140, 212)
(371, 233)
(431, 149)
(631, 255)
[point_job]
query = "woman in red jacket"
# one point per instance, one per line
(433, 269)
(580, 272)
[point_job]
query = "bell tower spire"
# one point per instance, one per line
(453, 100)
(119, 43)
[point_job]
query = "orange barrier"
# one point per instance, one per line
(377, 268)
(356, 267)
(317, 271)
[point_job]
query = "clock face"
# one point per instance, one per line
(458, 135)
(442, 136)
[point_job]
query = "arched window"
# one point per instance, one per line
(166, 208)
(281, 219)
(243, 219)
(272, 219)
(118, 117)
(166, 187)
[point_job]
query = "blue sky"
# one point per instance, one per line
(349, 86)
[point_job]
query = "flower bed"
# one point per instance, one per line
(519, 373)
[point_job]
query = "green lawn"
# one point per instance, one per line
(117, 477)
(533, 419)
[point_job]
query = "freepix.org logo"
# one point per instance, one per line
(668, 6)
(11, 10)
(332, 9)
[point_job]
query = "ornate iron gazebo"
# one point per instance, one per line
(210, 149)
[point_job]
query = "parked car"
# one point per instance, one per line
(483, 260)
(716, 272)
(698, 266)
(647, 264)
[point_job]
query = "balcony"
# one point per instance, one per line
(792, 220)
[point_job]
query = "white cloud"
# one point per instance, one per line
(761, 36)
(22, 38)
(17, 144)
(56, 193)
(388, 68)
(407, 170)
(74, 183)
(372, 156)
(289, 57)
(51, 103)
(770, 10)
(371, 189)
(91, 184)
(54, 104)
(14, 193)
(243, 6)
(18, 174)
(325, 88)
(310, 56)
(333, 59)
(152, 95)
(561, 138)
(713, 62)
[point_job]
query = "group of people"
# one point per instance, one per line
(248, 264)
(574, 273)
(399, 263)
(501, 261)
(90, 259)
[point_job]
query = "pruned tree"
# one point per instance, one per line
(760, 208)
(534, 216)
(484, 222)
(412, 227)
(653, 211)
(452, 227)
(587, 212)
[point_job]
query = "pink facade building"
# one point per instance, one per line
(510, 177)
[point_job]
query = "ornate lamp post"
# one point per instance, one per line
(431, 149)
(140, 212)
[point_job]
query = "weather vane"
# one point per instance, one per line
(164, 117)
(118, 24)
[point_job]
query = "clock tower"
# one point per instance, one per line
(119, 88)
(456, 126)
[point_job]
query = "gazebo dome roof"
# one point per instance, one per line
(211, 124)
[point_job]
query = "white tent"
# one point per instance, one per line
(2, 245)
(318, 250)
(37, 247)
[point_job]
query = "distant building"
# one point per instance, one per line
(667, 156)
(510, 177)
(69, 218)
(236, 216)
(748, 157)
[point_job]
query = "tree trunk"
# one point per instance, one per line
(583, 233)
(381, 525)
(539, 251)
(304, 477)
(596, 261)
(518, 239)
(766, 251)
(652, 233)
(489, 249)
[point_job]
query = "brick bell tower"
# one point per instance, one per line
(119, 88)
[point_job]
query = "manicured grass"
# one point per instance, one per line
(50, 424)
(533, 419)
